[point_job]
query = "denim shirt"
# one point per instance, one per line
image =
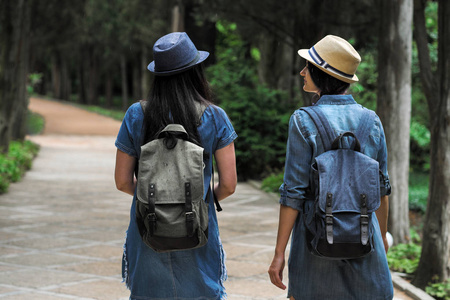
(304, 144)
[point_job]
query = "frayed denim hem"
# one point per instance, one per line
(125, 277)
(224, 274)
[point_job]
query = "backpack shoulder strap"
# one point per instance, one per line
(365, 125)
(323, 126)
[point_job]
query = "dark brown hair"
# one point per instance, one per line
(172, 101)
(327, 84)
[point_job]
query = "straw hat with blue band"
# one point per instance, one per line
(175, 53)
(335, 56)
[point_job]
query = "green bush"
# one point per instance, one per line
(35, 123)
(259, 114)
(14, 163)
(439, 290)
(272, 183)
(405, 257)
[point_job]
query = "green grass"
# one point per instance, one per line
(35, 123)
(111, 113)
(15, 162)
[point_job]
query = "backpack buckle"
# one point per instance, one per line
(329, 219)
(189, 216)
(364, 220)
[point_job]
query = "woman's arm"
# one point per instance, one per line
(382, 216)
(226, 168)
(287, 219)
(124, 172)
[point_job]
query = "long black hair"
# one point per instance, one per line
(327, 84)
(172, 100)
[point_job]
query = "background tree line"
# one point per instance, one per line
(96, 52)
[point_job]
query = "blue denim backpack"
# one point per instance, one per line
(345, 184)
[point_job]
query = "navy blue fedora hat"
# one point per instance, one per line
(175, 53)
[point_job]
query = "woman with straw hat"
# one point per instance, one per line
(330, 69)
(179, 87)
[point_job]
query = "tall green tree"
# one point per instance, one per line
(14, 41)
(435, 256)
(394, 106)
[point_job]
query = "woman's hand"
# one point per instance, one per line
(276, 270)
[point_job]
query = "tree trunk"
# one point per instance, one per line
(123, 72)
(86, 65)
(137, 92)
(56, 76)
(276, 63)
(178, 17)
(145, 78)
(108, 90)
(92, 83)
(66, 87)
(15, 19)
(394, 106)
(435, 256)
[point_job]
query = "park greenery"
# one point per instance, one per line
(16, 162)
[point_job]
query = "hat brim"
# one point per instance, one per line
(305, 54)
(202, 56)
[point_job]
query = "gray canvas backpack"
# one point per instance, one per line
(170, 209)
(345, 184)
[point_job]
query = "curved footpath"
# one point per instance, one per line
(62, 227)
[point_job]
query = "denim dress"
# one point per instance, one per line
(191, 274)
(311, 277)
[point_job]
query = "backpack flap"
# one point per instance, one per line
(161, 158)
(348, 194)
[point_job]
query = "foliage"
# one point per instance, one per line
(111, 113)
(439, 290)
(272, 182)
(405, 257)
(258, 113)
(418, 191)
(34, 79)
(365, 90)
(14, 163)
(35, 123)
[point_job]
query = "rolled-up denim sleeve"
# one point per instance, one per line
(382, 158)
(124, 141)
(224, 129)
(297, 166)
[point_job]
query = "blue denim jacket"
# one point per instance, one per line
(304, 144)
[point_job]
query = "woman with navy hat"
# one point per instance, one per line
(330, 69)
(179, 86)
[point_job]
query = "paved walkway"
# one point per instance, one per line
(62, 227)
